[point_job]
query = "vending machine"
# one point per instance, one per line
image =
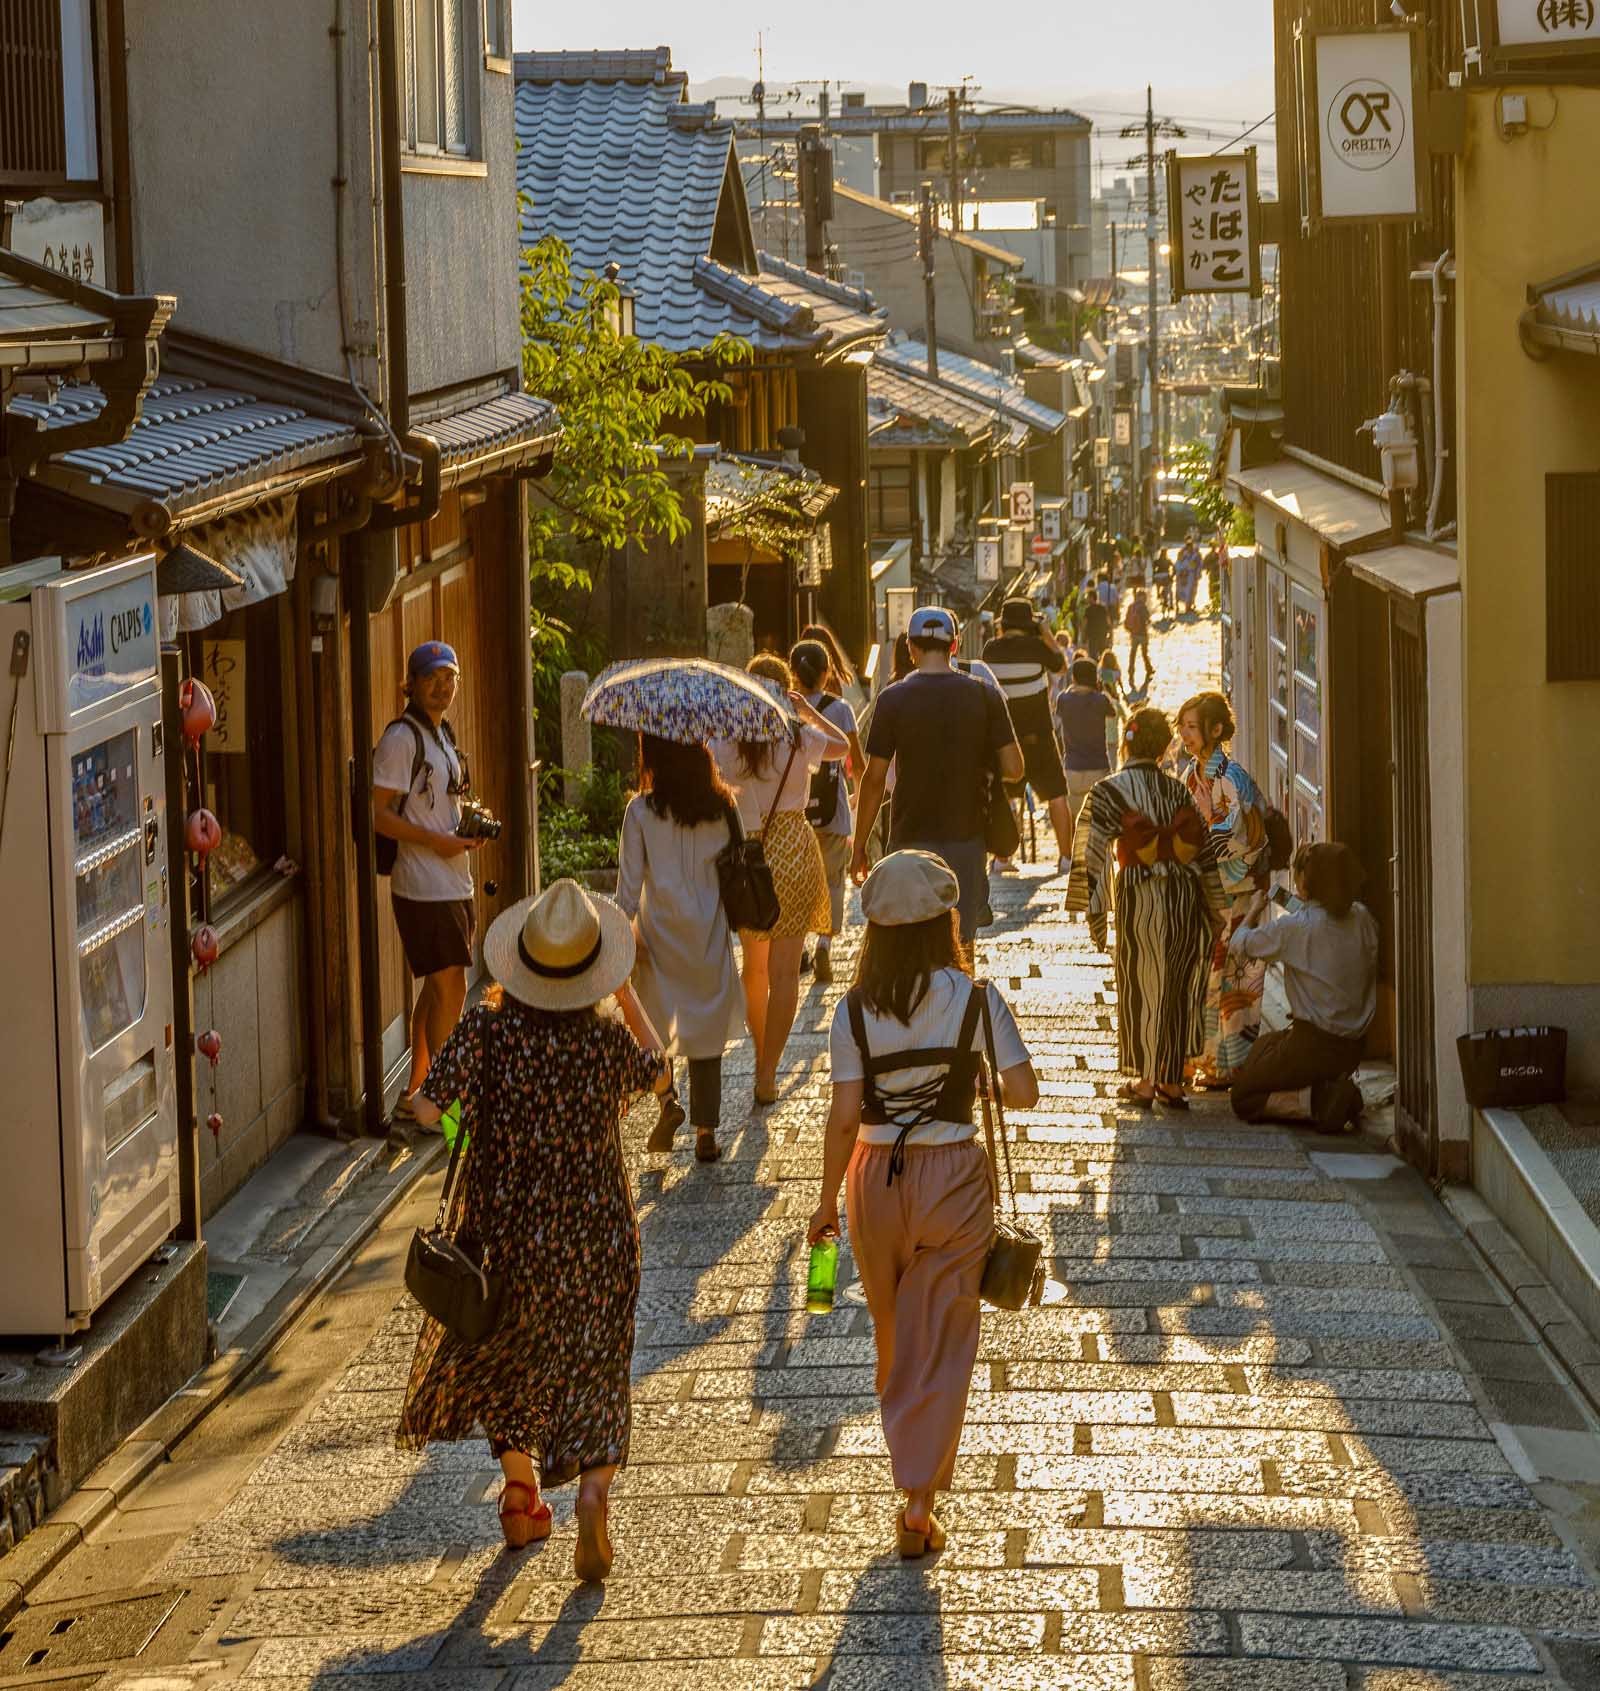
(88, 1137)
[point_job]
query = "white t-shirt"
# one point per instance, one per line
(754, 794)
(419, 873)
(843, 718)
(936, 1021)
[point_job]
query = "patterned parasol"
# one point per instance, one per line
(690, 700)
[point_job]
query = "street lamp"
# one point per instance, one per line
(619, 313)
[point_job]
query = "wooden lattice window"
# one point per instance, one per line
(47, 93)
(1572, 576)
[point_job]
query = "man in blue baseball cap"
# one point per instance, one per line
(943, 731)
(419, 777)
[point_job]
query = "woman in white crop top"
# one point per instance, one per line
(920, 1202)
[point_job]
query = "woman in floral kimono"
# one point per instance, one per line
(1235, 812)
(1168, 904)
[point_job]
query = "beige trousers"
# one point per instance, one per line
(919, 1247)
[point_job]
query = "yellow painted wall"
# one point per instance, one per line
(1528, 210)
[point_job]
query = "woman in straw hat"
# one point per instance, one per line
(905, 1047)
(544, 1077)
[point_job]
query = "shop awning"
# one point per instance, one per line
(1565, 313)
(1414, 572)
(1340, 514)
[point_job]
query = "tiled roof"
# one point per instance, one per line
(511, 420)
(916, 411)
(623, 171)
(1036, 357)
(848, 314)
(734, 482)
(30, 314)
(192, 444)
(1566, 313)
(982, 382)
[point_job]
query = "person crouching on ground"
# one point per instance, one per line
(1329, 952)
(544, 1078)
(905, 1046)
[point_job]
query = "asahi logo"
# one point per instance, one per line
(1366, 124)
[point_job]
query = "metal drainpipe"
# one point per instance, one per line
(1440, 453)
(374, 550)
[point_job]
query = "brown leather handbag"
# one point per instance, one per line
(1013, 1275)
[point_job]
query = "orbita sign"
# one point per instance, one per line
(1358, 124)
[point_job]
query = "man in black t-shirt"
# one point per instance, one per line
(1024, 655)
(943, 731)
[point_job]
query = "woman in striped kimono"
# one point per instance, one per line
(1236, 814)
(1168, 904)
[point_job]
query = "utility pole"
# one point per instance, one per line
(808, 146)
(952, 114)
(927, 223)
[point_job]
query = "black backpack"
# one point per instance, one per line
(384, 849)
(824, 797)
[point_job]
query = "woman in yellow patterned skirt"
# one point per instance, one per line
(775, 781)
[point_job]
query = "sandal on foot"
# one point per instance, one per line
(525, 1523)
(706, 1148)
(667, 1123)
(1172, 1100)
(1128, 1094)
(592, 1558)
(765, 1099)
(911, 1543)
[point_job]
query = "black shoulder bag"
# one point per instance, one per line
(1013, 1276)
(749, 894)
(448, 1278)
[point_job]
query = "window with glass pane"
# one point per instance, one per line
(453, 61)
(891, 498)
(239, 660)
(496, 29)
(440, 47)
(107, 856)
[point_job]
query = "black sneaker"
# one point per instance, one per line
(1340, 1111)
(805, 962)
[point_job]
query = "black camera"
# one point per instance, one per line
(478, 822)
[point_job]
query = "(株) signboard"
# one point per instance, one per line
(1548, 23)
(1501, 38)
(1213, 224)
(1360, 156)
(987, 559)
(1022, 502)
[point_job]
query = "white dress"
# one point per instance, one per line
(686, 976)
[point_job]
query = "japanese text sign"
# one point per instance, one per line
(1050, 521)
(1213, 224)
(222, 670)
(1022, 501)
(1358, 124)
(1122, 428)
(1542, 23)
(987, 559)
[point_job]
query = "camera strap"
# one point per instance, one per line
(442, 737)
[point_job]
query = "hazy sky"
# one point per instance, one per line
(1206, 58)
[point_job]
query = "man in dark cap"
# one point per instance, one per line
(1024, 655)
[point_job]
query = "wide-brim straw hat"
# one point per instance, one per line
(564, 950)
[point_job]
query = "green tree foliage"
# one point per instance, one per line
(623, 405)
(1213, 508)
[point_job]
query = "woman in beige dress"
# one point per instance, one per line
(775, 781)
(905, 1046)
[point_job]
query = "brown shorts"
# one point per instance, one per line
(435, 933)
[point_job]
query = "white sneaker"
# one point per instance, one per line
(1063, 865)
(1004, 866)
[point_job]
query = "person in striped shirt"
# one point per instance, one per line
(1024, 655)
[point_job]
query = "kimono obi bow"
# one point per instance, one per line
(1142, 843)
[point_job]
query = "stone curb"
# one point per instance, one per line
(151, 1443)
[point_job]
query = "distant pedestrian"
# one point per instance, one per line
(673, 831)
(1096, 624)
(1163, 578)
(1329, 952)
(1188, 576)
(1084, 713)
(945, 733)
(1024, 656)
(1109, 675)
(1137, 622)
(545, 1196)
(828, 803)
(1168, 905)
(905, 1045)
(1236, 814)
(771, 785)
(841, 676)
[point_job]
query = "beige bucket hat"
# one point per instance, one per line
(563, 950)
(908, 886)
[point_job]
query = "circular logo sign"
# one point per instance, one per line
(1366, 124)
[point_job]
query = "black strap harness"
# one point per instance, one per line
(947, 1097)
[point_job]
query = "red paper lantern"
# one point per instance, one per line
(198, 710)
(209, 1045)
(202, 833)
(205, 946)
(214, 1122)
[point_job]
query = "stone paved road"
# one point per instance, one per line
(1244, 1450)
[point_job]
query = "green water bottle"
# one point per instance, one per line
(824, 1272)
(450, 1126)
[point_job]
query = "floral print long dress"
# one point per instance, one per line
(1235, 812)
(545, 1190)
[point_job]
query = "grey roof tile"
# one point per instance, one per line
(496, 423)
(193, 443)
(899, 402)
(29, 313)
(982, 381)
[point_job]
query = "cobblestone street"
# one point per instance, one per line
(1276, 1427)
